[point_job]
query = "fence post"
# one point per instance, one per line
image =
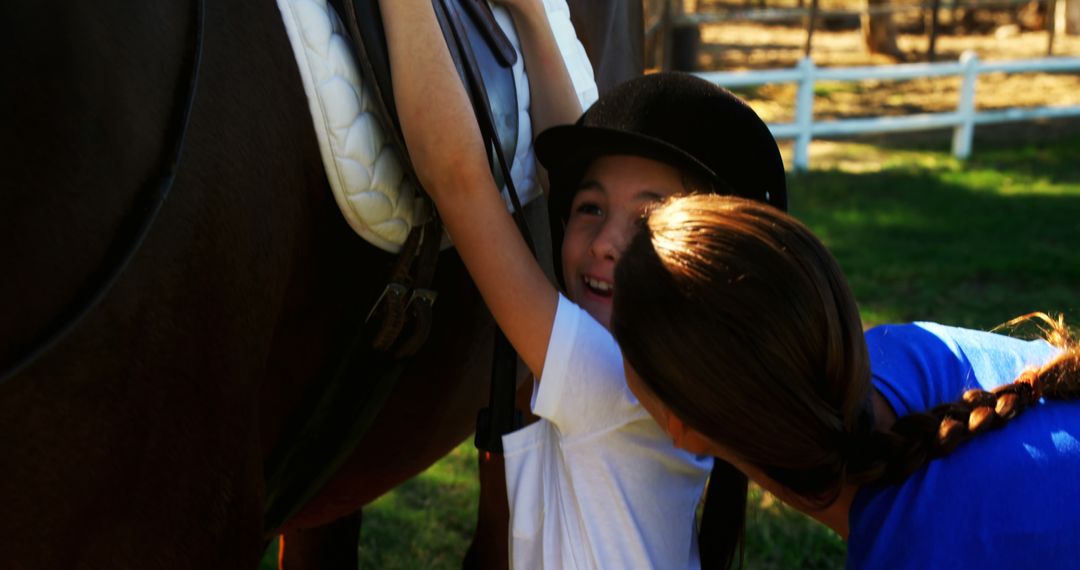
(665, 34)
(965, 109)
(804, 114)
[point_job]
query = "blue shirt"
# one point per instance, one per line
(1008, 498)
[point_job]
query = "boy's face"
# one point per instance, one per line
(604, 215)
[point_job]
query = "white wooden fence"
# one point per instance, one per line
(963, 120)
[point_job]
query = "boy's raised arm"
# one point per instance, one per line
(447, 150)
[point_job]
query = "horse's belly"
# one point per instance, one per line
(432, 408)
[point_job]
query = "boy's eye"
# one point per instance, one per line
(587, 209)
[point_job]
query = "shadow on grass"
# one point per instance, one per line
(1053, 161)
(1040, 149)
(779, 538)
(973, 245)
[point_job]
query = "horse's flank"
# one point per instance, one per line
(139, 440)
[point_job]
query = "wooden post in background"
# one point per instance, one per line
(671, 9)
(811, 23)
(1072, 17)
(879, 30)
(931, 49)
(685, 36)
(1050, 21)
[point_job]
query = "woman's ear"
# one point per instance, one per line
(686, 437)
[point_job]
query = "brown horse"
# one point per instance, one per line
(138, 440)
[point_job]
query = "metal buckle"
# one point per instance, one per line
(423, 295)
(394, 291)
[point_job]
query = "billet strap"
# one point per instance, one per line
(422, 301)
(409, 299)
(325, 429)
(390, 306)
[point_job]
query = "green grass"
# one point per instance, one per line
(828, 88)
(926, 238)
(428, 521)
(920, 236)
(780, 537)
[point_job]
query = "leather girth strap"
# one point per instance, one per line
(326, 428)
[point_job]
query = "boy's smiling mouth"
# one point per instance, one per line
(598, 287)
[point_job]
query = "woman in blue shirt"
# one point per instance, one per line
(925, 446)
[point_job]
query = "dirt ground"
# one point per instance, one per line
(747, 45)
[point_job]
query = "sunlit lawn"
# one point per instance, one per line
(920, 236)
(975, 244)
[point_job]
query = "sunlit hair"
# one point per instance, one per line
(742, 323)
(739, 320)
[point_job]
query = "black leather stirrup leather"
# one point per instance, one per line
(500, 417)
(455, 29)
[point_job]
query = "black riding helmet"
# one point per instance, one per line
(675, 118)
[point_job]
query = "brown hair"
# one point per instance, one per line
(754, 339)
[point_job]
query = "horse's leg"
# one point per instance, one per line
(613, 34)
(331, 546)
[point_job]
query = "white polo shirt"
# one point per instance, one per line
(596, 483)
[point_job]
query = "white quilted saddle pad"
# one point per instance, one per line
(365, 170)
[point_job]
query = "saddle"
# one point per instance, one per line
(345, 74)
(492, 54)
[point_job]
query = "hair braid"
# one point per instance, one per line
(889, 457)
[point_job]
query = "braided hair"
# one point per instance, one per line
(890, 456)
(739, 319)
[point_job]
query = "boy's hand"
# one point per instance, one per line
(554, 98)
(553, 95)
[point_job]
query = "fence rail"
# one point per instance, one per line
(963, 120)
